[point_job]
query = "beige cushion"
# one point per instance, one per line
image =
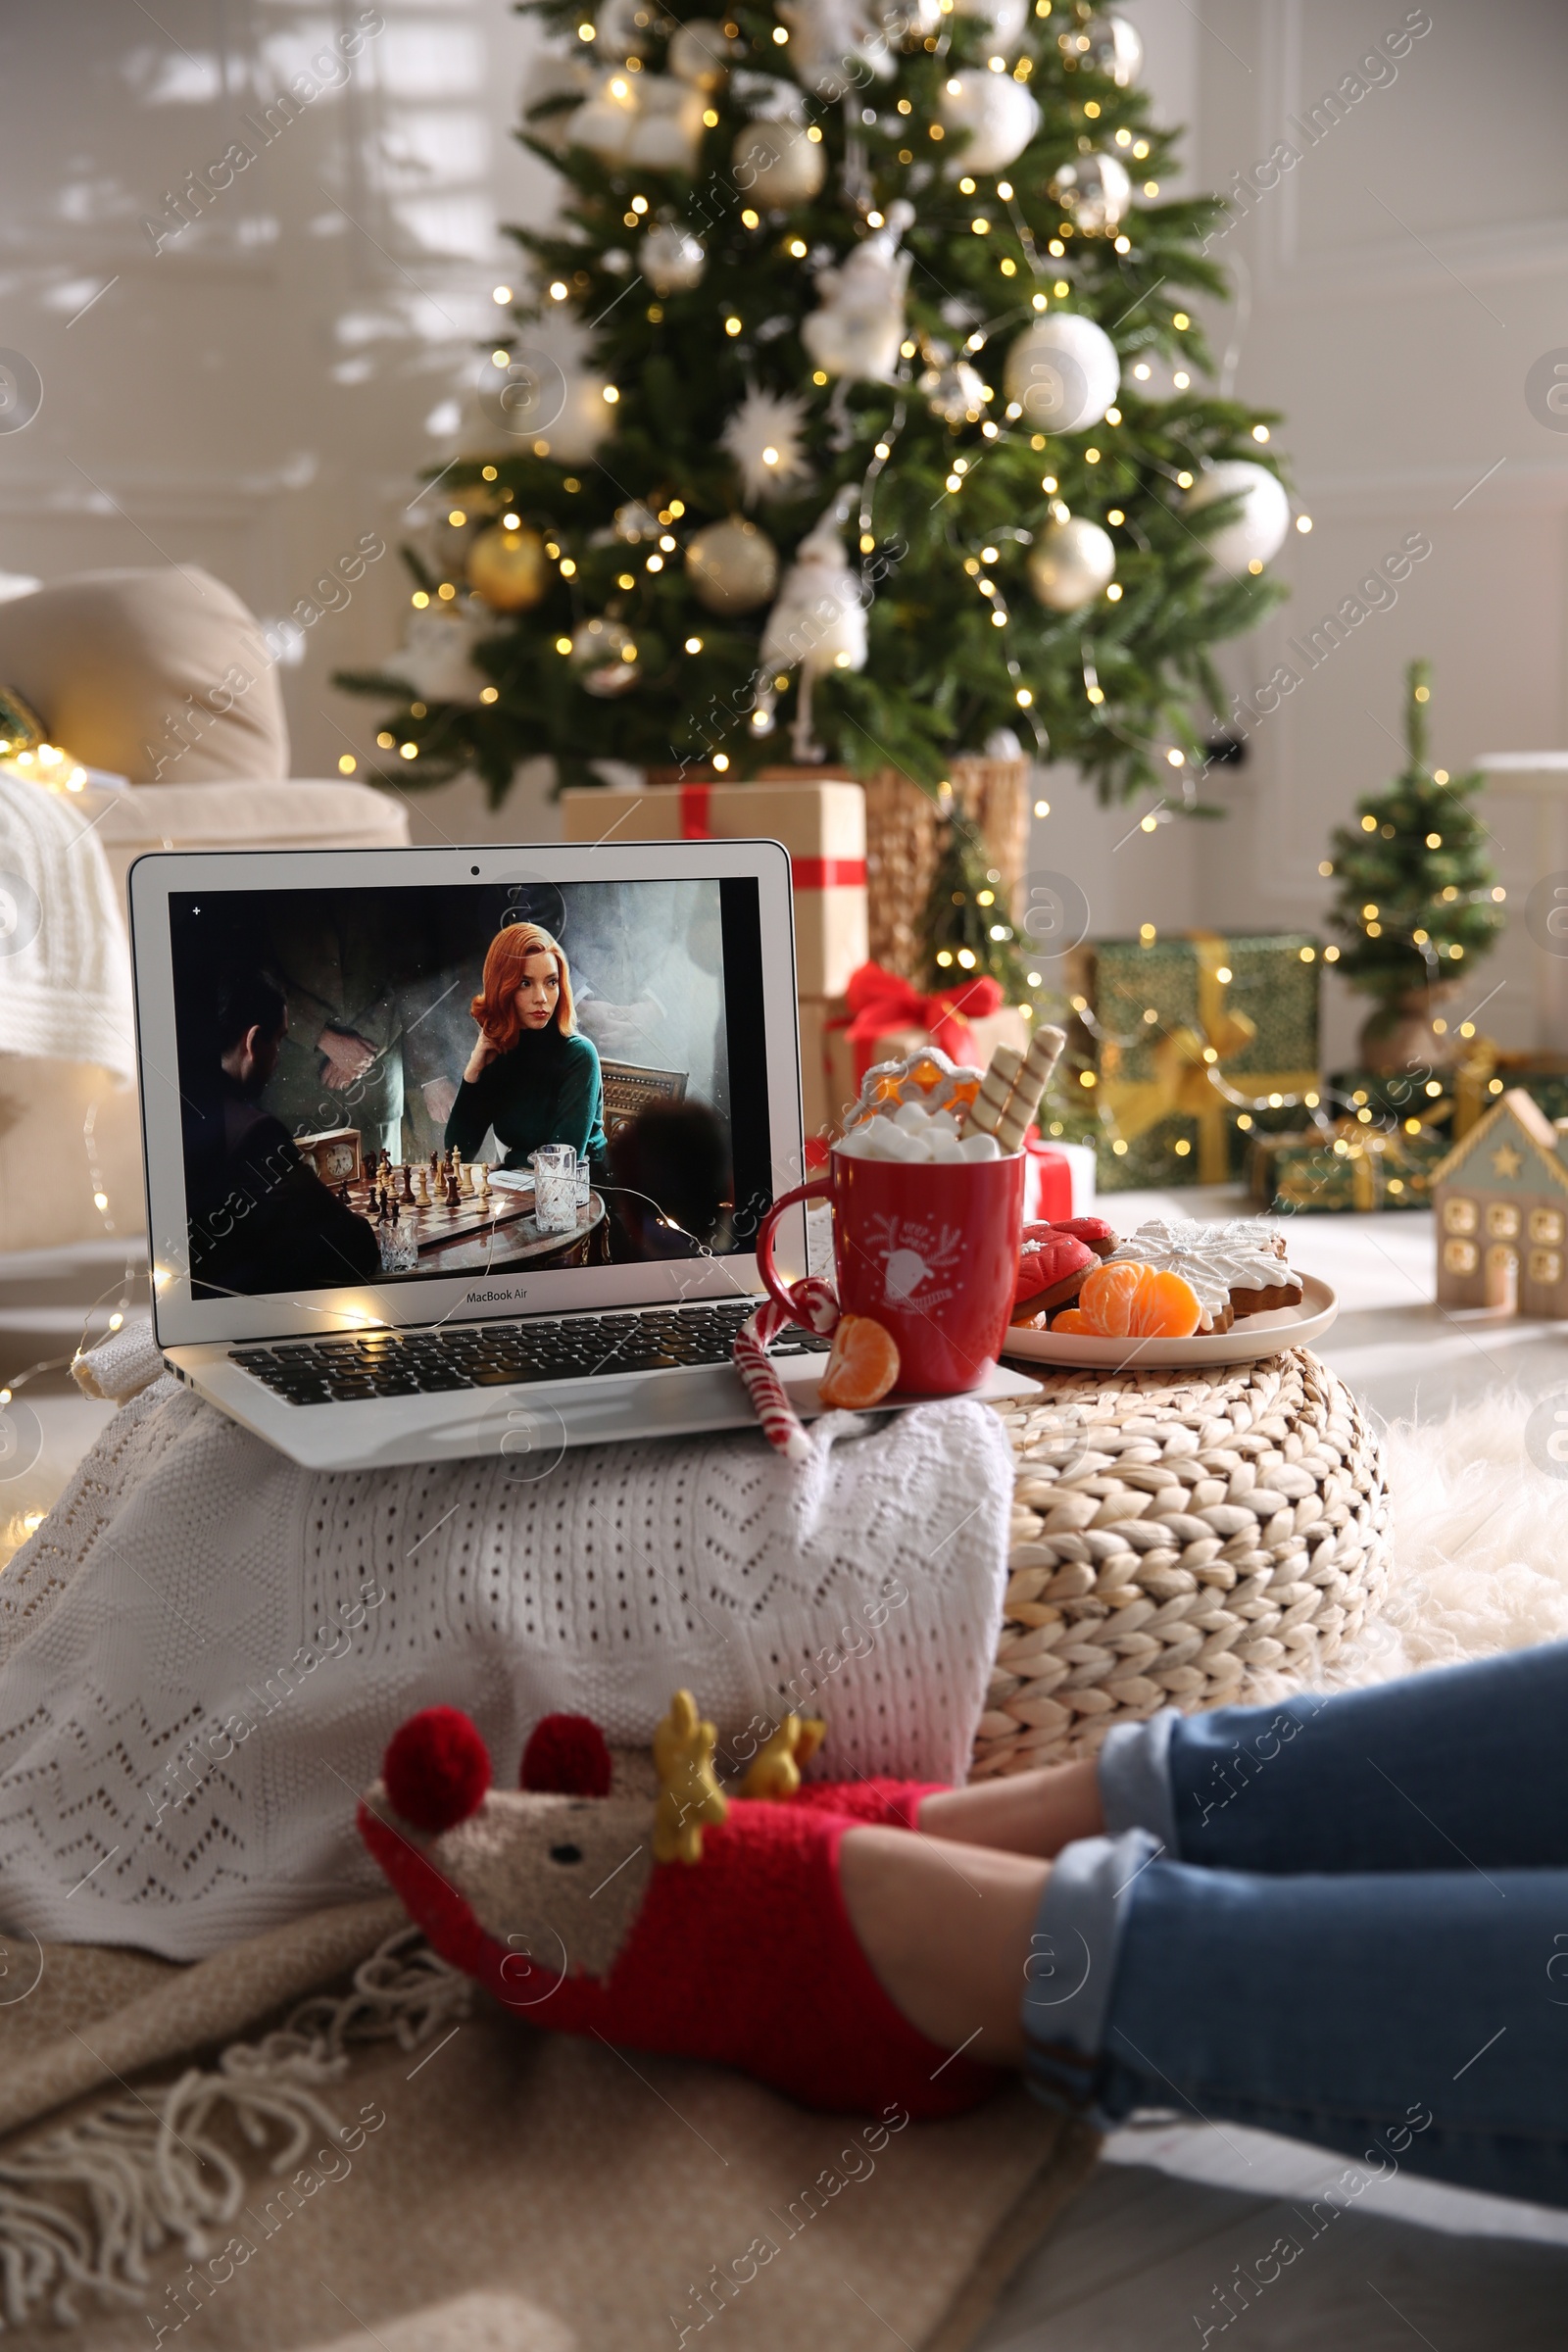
(332, 814)
(159, 675)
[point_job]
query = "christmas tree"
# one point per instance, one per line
(888, 434)
(1418, 900)
(969, 926)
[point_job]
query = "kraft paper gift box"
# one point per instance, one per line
(821, 826)
(1186, 1035)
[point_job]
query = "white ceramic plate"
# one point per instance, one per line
(1248, 1338)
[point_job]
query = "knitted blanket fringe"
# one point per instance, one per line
(83, 2206)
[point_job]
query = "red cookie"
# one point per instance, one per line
(1050, 1266)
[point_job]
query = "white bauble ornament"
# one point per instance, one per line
(1115, 49)
(1063, 373)
(435, 661)
(1070, 562)
(732, 565)
(777, 164)
(1004, 20)
(1260, 528)
(859, 324)
(700, 53)
(673, 259)
(1095, 192)
(766, 438)
(606, 652)
(584, 419)
(998, 114)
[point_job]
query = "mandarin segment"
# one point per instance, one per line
(863, 1367)
(1167, 1308)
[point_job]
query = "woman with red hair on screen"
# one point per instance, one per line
(530, 1076)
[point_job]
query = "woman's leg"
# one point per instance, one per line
(1028, 1813)
(1413, 2017)
(1465, 1763)
(1463, 1767)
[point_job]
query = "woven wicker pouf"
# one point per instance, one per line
(1178, 1539)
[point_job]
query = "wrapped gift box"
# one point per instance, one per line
(1487, 1072)
(1351, 1166)
(1182, 1036)
(821, 826)
(1392, 1097)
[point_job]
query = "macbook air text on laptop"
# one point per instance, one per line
(464, 1151)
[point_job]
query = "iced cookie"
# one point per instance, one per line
(926, 1077)
(1236, 1269)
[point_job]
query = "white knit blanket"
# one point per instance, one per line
(204, 1647)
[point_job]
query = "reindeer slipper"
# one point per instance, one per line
(641, 1902)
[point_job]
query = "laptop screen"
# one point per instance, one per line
(390, 1084)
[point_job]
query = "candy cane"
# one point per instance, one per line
(817, 1309)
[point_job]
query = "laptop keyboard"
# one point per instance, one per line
(484, 1356)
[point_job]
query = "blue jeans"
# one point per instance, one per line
(1344, 1919)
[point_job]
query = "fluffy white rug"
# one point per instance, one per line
(1480, 1545)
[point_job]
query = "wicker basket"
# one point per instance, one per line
(903, 836)
(1179, 1540)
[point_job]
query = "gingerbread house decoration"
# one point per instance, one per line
(1501, 1204)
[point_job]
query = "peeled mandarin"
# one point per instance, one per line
(863, 1367)
(1073, 1318)
(1123, 1300)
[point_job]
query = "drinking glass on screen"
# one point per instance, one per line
(555, 1188)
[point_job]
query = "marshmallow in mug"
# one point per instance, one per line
(911, 1133)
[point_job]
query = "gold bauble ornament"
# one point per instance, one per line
(732, 565)
(510, 569)
(1071, 562)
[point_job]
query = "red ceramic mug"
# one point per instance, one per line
(929, 1250)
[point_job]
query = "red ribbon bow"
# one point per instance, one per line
(879, 1000)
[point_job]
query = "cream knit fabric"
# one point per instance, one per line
(65, 964)
(205, 1648)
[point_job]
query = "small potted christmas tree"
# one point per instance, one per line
(1419, 901)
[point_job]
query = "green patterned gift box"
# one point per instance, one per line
(1191, 1043)
(1351, 1166)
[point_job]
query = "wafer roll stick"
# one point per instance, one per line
(986, 1111)
(1028, 1087)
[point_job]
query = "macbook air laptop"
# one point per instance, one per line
(459, 1152)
